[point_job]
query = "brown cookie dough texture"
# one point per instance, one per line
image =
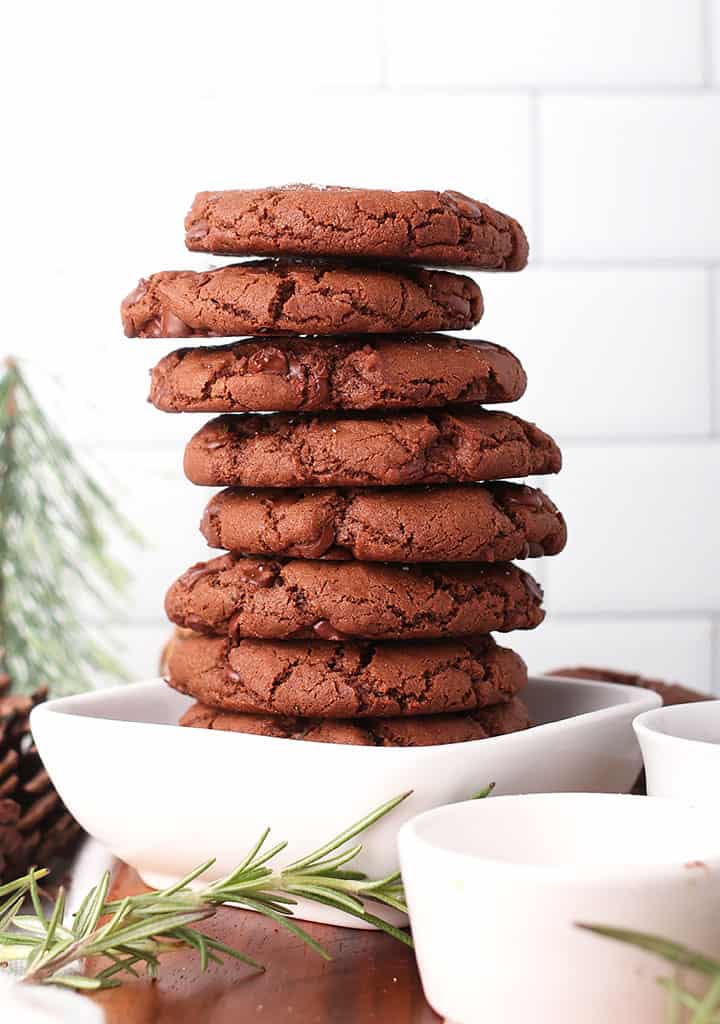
(254, 597)
(344, 680)
(458, 446)
(425, 731)
(465, 523)
(440, 228)
(314, 374)
(671, 693)
(280, 296)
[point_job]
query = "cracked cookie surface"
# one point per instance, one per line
(462, 445)
(288, 297)
(344, 680)
(423, 731)
(271, 599)
(318, 374)
(439, 228)
(464, 523)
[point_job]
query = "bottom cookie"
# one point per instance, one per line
(421, 731)
(316, 678)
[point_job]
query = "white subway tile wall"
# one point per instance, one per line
(597, 126)
(551, 43)
(714, 348)
(630, 178)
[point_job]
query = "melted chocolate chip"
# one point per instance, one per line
(326, 631)
(138, 293)
(268, 360)
(519, 496)
(195, 573)
(258, 574)
(533, 587)
(318, 387)
(172, 326)
(318, 546)
(199, 230)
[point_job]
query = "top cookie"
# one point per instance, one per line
(445, 229)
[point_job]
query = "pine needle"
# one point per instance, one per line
(55, 529)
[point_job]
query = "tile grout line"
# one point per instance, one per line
(604, 616)
(536, 178)
(382, 48)
(706, 43)
(161, 446)
(713, 368)
(700, 440)
(607, 90)
(625, 264)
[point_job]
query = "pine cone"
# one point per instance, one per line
(35, 826)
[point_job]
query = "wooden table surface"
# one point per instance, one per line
(372, 978)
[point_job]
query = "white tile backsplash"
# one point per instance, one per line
(663, 648)
(172, 53)
(609, 353)
(713, 44)
(150, 489)
(643, 529)
(630, 178)
(138, 646)
(714, 349)
(549, 44)
(598, 126)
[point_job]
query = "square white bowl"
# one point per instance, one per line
(163, 798)
(681, 750)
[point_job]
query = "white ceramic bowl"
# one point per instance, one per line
(681, 750)
(495, 888)
(164, 799)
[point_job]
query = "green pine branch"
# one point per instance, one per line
(55, 527)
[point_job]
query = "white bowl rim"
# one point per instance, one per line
(647, 722)
(64, 706)
(409, 835)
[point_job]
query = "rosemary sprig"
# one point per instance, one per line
(138, 930)
(683, 1006)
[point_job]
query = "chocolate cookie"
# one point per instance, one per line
(345, 680)
(256, 597)
(424, 731)
(465, 523)
(281, 296)
(439, 228)
(464, 445)
(671, 693)
(314, 374)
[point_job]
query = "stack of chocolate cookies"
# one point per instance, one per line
(367, 526)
